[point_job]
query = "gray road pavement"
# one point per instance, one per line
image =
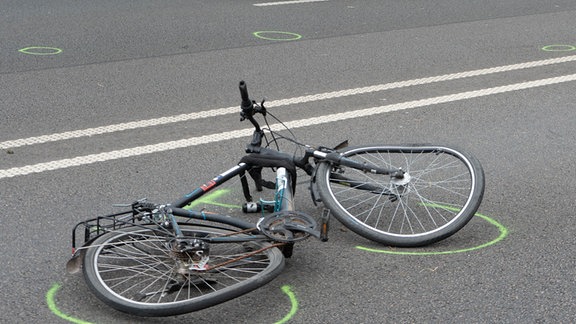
(492, 77)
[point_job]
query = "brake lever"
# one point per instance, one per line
(260, 108)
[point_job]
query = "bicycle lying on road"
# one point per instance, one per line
(167, 259)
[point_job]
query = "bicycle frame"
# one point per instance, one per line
(283, 202)
(169, 259)
(283, 194)
(283, 197)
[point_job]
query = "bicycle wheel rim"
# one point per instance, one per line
(444, 189)
(132, 271)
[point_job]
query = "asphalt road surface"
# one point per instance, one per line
(110, 101)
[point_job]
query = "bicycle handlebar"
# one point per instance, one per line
(246, 102)
(247, 112)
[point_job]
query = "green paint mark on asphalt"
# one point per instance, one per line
(559, 48)
(40, 50)
(274, 35)
(503, 233)
(211, 199)
(52, 306)
(50, 300)
(294, 302)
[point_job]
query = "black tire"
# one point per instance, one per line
(442, 191)
(133, 270)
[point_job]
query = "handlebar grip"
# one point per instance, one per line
(246, 102)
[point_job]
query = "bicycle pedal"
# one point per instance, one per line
(324, 224)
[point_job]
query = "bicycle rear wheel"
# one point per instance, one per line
(441, 191)
(137, 271)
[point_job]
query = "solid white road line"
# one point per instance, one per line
(160, 147)
(277, 103)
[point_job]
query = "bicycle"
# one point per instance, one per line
(168, 259)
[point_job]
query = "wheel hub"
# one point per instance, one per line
(190, 255)
(400, 186)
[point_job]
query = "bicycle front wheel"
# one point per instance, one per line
(440, 192)
(138, 271)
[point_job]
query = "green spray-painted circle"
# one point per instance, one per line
(40, 50)
(503, 233)
(51, 301)
(277, 35)
(293, 302)
(559, 48)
